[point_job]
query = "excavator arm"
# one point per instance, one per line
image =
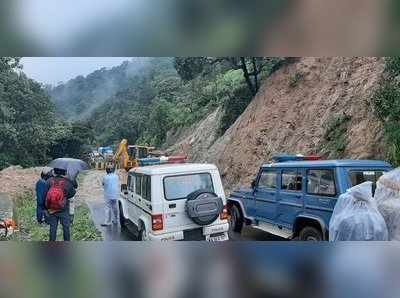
(121, 157)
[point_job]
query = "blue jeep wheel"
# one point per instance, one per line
(235, 220)
(310, 234)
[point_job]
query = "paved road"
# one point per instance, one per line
(91, 192)
(251, 234)
(111, 233)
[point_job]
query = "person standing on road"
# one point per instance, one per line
(72, 202)
(59, 190)
(111, 193)
(40, 195)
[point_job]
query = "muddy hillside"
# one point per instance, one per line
(297, 110)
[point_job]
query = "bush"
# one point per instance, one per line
(294, 79)
(386, 103)
(334, 137)
(233, 107)
(392, 66)
(83, 228)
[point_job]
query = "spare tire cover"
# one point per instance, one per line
(203, 207)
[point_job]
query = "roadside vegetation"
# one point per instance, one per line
(333, 142)
(82, 229)
(31, 134)
(386, 104)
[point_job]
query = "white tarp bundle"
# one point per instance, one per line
(387, 197)
(356, 217)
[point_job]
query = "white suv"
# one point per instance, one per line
(175, 202)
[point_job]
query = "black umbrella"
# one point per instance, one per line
(71, 165)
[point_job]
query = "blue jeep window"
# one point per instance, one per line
(267, 179)
(360, 176)
(321, 182)
(291, 180)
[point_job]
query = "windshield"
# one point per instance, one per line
(178, 187)
(142, 152)
(361, 176)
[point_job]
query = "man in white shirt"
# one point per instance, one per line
(111, 188)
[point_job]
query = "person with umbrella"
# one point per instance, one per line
(61, 208)
(58, 192)
(73, 167)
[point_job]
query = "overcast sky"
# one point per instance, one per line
(51, 70)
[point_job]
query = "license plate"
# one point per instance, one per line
(217, 238)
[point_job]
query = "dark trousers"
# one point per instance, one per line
(53, 220)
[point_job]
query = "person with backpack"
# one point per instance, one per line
(59, 190)
(40, 195)
(111, 194)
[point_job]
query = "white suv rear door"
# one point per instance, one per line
(175, 190)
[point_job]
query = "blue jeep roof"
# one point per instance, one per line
(329, 163)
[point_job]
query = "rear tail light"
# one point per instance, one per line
(157, 223)
(224, 214)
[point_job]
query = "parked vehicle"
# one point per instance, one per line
(175, 202)
(127, 156)
(294, 197)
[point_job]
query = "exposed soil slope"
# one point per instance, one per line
(287, 117)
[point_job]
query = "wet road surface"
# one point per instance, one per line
(110, 233)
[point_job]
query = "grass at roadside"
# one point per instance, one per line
(83, 228)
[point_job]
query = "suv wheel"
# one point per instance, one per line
(122, 219)
(235, 220)
(143, 235)
(310, 234)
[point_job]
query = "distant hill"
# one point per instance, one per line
(77, 98)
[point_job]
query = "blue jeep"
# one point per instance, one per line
(294, 197)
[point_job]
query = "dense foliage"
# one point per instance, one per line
(386, 102)
(170, 93)
(25, 113)
(333, 142)
(30, 132)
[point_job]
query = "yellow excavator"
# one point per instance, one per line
(127, 156)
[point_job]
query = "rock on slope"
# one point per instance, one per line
(290, 118)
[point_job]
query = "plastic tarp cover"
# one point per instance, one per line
(356, 217)
(387, 196)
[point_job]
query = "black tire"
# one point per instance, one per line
(122, 219)
(141, 234)
(235, 220)
(310, 234)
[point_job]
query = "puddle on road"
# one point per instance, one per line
(6, 206)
